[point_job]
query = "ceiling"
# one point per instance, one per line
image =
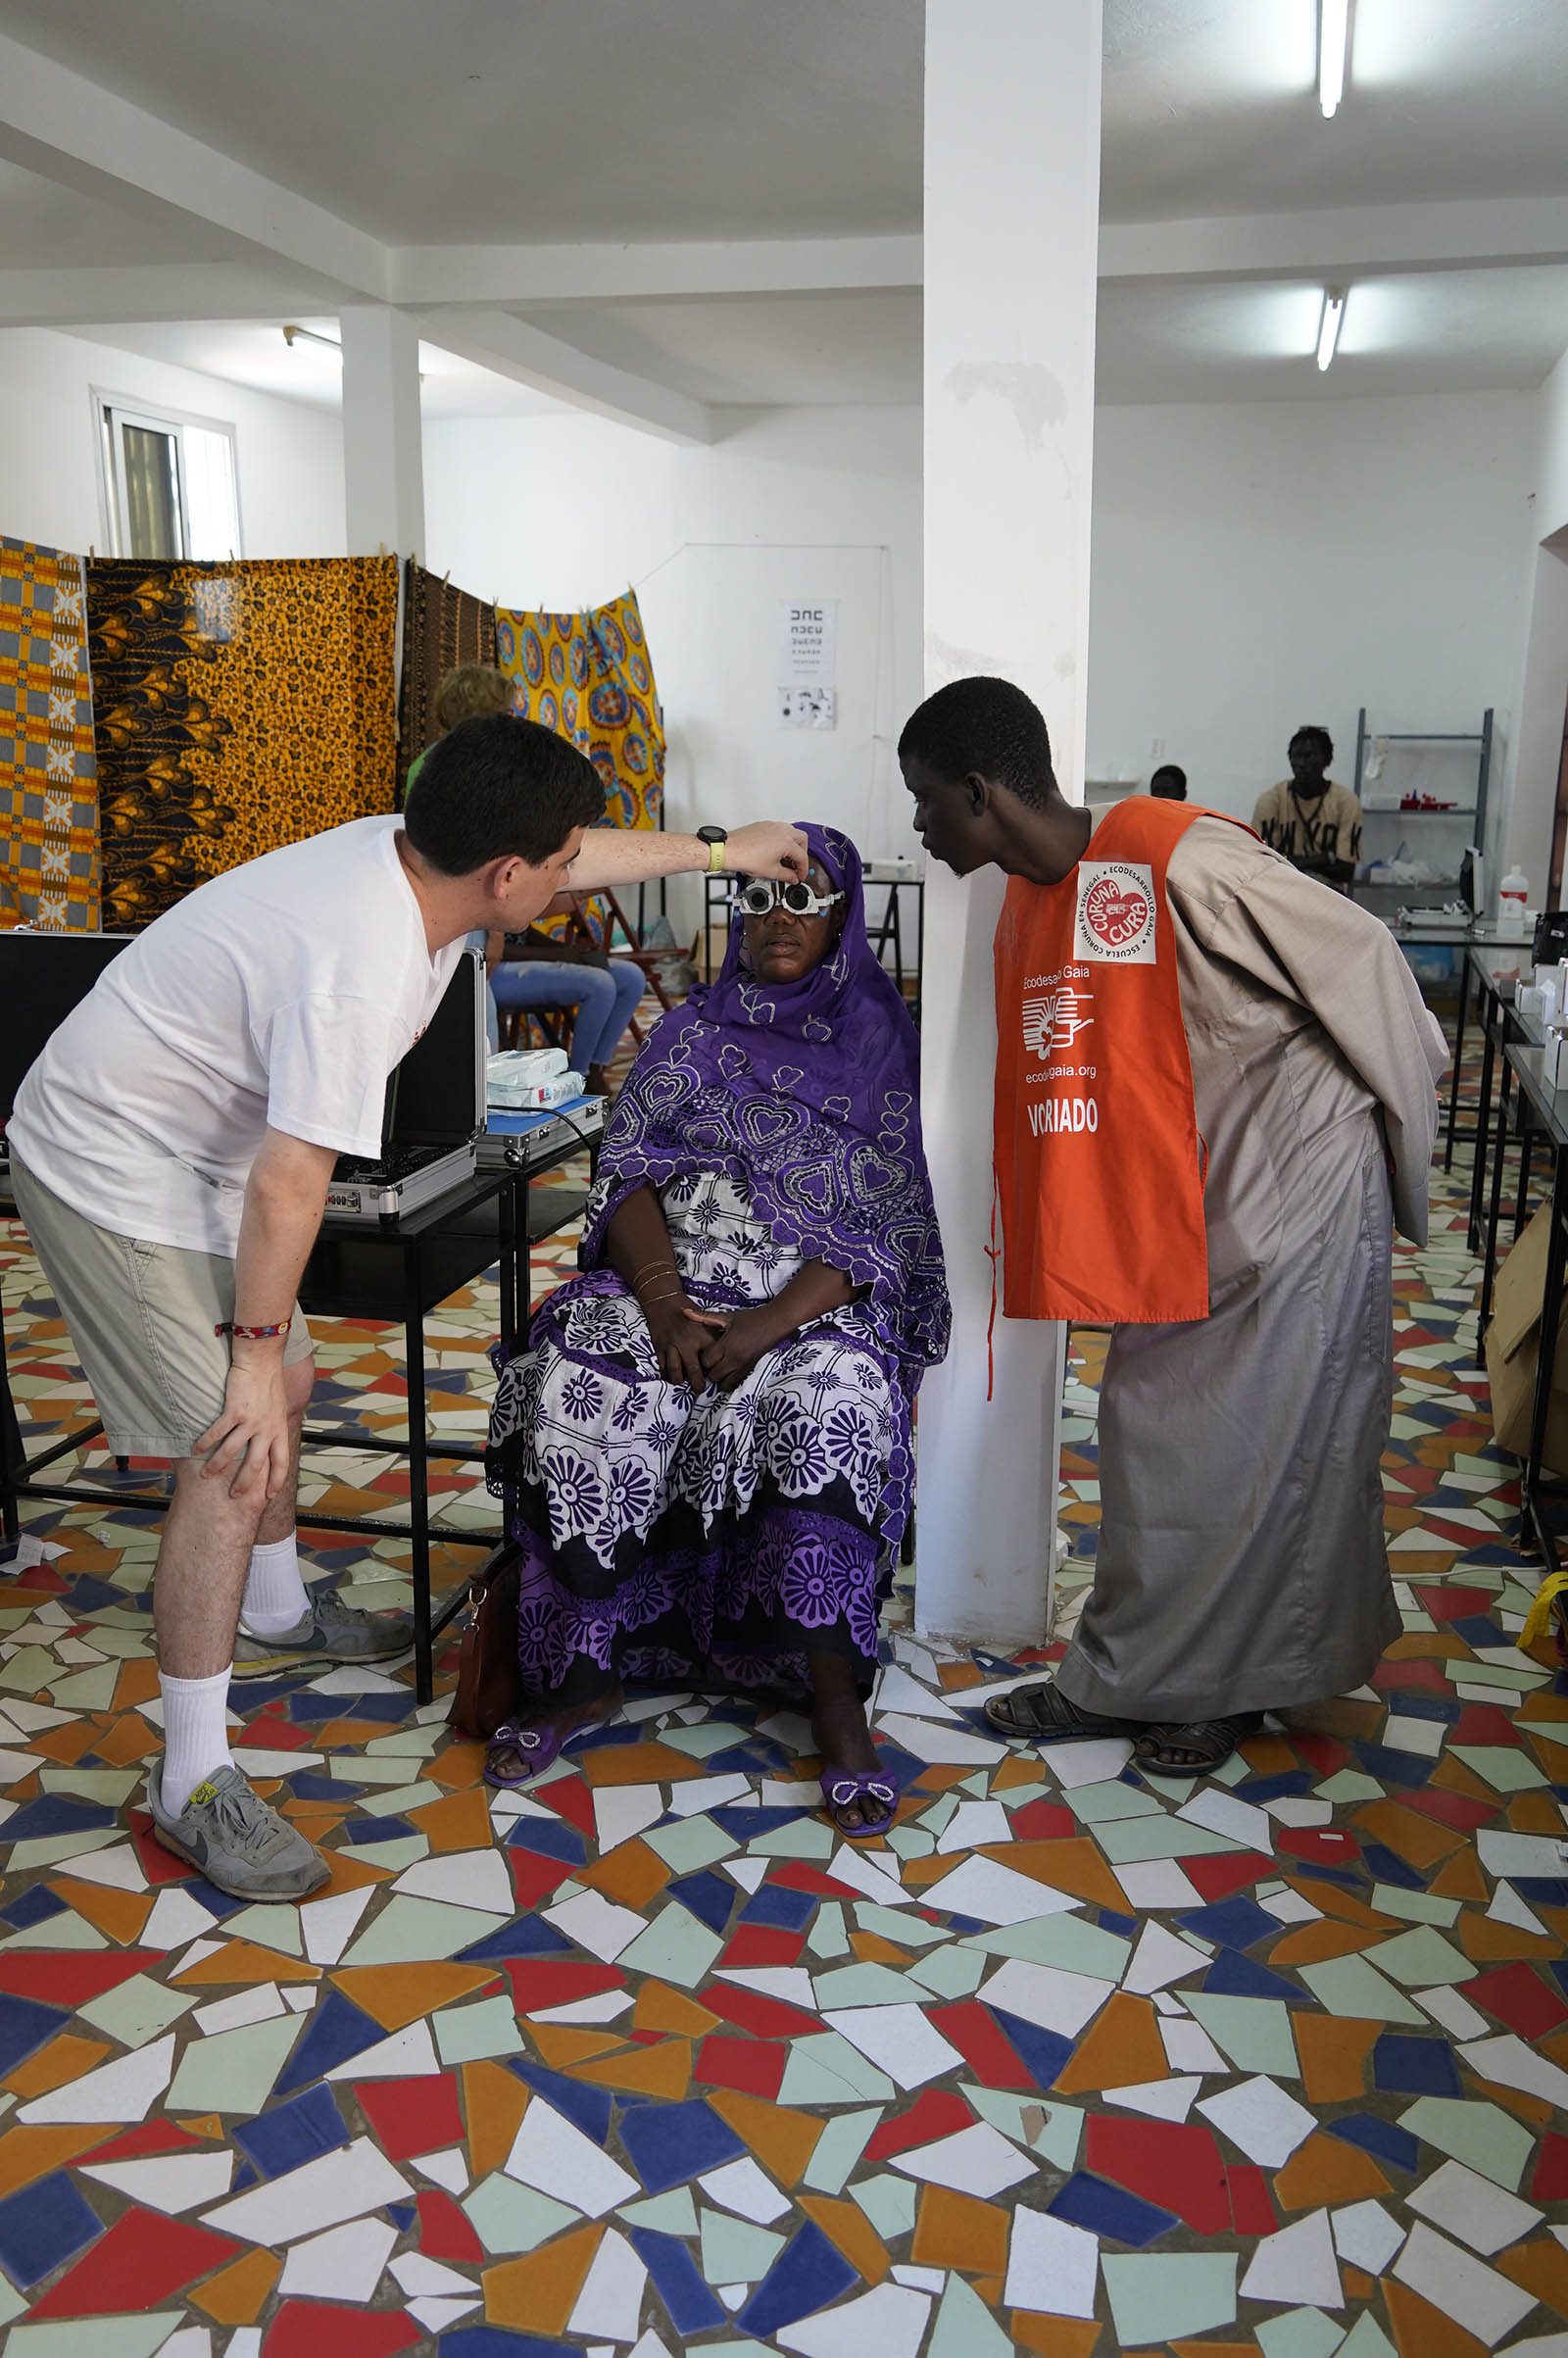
(465, 145)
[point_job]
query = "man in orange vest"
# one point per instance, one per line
(1215, 1098)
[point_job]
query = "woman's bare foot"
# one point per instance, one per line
(509, 1762)
(844, 1740)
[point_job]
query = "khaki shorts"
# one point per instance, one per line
(142, 1317)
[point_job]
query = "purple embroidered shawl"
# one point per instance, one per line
(807, 1095)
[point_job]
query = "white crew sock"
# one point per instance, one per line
(275, 1598)
(195, 1735)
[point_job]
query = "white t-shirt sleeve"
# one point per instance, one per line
(327, 1059)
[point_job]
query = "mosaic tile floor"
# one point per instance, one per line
(1077, 2061)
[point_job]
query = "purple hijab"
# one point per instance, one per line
(807, 1095)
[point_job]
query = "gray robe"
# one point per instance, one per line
(1241, 1564)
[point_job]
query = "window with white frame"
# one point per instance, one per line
(171, 484)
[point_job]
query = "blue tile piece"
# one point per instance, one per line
(25, 2027)
(306, 1786)
(378, 1829)
(548, 1838)
(243, 2179)
(808, 2272)
(1392, 1767)
(217, 1903)
(260, 1695)
(1414, 2067)
(305, 1709)
(35, 1906)
(1479, 1629)
(1388, 1867)
(299, 2132)
(55, 1813)
(787, 1911)
(1290, 1784)
(1342, 1876)
(1042, 2054)
(669, 2143)
(1381, 2138)
(89, 1595)
(1126, 1928)
(1108, 2210)
(745, 1825)
(603, 1738)
(692, 2306)
(403, 2215)
(748, 1760)
(46, 2223)
(383, 1706)
(523, 1937)
(962, 1927)
(709, 1898)
(338, 2029)
(1233, 1976)
(1410, 1703)
(1236, 1923)
(494, 2341)
(1541, 1890)
(587, 2107)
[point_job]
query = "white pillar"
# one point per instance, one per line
(1011, 236)
(383, 465)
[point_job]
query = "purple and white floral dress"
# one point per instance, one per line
(716, 1535)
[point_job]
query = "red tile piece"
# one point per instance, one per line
(276, 1734)
(1252, 2209)
(411, 2116)
(144, 2140)
(572, 1799)
(757, 1944)
(69, 1976)
(1044, 1822)
(938, 2113)
(535, 1877)
(1447, 1604)
(538, 1983)
(142, 2259)
(1518, 1996)
(1325, 1755)
(1176, 2164)
(982, 2043)
(796, 1875)
(444, 2230)
(1227, 1872)
(305, 2329)
(1484, 1723)
(765, 2017)
(1420, 1677)
(156, 1864)
(1319, 1845)
(1551, 2180)
(753, 2065)
(1457, 1810)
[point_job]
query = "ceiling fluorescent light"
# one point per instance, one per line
(1328, 334)
(308, 335)
(1333, 49)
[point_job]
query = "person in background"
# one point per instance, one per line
(1168, 783)
(1316, 823)
(1219, 1186)
(533, 970)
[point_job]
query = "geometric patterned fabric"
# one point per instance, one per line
(442, 627)
(49, 872)
(238, 708)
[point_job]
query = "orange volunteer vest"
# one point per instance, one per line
(1099, 1165)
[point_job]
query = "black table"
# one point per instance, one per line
(397, 1270)
(1495, 969)
(1548, 1115)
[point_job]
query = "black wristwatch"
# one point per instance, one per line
(714, 838)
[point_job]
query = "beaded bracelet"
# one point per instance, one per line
(252, 1334)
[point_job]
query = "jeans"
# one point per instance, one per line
(604, 1002)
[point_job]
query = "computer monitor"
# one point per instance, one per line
(42, 977)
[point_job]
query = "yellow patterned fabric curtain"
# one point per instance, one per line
(49, 869)
(237, 708)
(589, 678)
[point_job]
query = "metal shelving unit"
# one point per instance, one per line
(1476, 811)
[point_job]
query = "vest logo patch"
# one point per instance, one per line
(1115, 919)
(1053, 1020)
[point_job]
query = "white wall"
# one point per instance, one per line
(290, 455)
(1261, 564)
(793, 504)
(1544, 670)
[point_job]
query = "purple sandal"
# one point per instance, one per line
(539, 1746)
(842, 1788)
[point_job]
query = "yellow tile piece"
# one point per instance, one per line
(1076, 1866)
(661, 2008)
(1542, 2268)
(137, 1682)
(1419, 1841)
(537, 2293)
(129, 1740)
(1053, 2336)
(458, 1821)
(238, 2295)
(395, 1995)
(873, 1949)
(846, 2226)
(1422, 2332)
(119, 1915)
(562, 2045)
(664, 2071)
(632, 1875)
(236, 1961)
(782, 2140)
(1332, 2051)
(956, 2231)
(459, 1767)
(494, 2102)
(1491, 1944)
(26, 2154)
(1326, 2170)
(1121, 2048)
(1460, 1877)
(65, 2058)
(640, 1764)
(1311, 1943)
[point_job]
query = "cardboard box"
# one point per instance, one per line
(1513, 1348)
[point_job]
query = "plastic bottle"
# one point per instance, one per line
(1512, 895)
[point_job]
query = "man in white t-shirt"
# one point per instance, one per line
(170, 1154)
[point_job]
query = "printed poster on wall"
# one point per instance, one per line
(808, 634)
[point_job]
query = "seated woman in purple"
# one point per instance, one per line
(706, 1447)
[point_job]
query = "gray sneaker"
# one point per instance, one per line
(239, 1844)
(328, 1631)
